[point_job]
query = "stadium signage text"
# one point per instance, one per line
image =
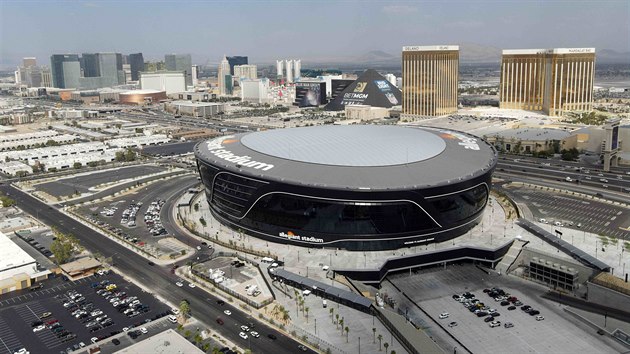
(291, 236)
(216, 148)
(465, 141)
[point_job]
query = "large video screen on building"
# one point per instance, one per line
(310, 94)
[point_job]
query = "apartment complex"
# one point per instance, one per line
(429, 80)
(549, 80)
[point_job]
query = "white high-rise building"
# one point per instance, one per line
(224, 70)
(195, 73)
(245, 71)
(391, 78)
(279, 68)
(297, 69)
(288, 66)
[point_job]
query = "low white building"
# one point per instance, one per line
(195, 109)
(168, 81)
(255, 90)
(33, 155)
(365, 112)
(30, 143)
(11, 168)
(139, 141)
(17, 268)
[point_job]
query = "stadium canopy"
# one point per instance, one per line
(370, 89)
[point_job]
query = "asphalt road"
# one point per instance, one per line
(159, 279)
(170, 149)
(68, 186)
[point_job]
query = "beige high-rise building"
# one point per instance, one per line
(549, 80)
(429, 80)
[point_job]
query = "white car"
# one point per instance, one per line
(191, 285)
(245, 328)
(94, 340)
(125, 329)
(539, 318)
(243, 335)
(444, 315)
(254, 334)
(227, 312)
(39, 328)
(495, 324)
(175, 311)
(21, 351)
(179, 283)
(144, 330)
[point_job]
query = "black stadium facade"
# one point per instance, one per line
(361, 187)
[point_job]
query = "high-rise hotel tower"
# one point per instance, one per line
(549, 80)
(429, 80)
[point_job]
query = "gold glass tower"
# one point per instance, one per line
(429, 80)
(549, 80)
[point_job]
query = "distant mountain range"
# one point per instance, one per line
(469, 53)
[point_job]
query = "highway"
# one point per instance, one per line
(158, 278)
(583, 177)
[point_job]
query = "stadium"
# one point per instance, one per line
(355, 187)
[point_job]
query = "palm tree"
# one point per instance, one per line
(306, 309)
(341, 324)
(386, 345)
(380, 338)
(347, 330)
(374, 332)
(337, 321)
(285, 316)
(332, 310)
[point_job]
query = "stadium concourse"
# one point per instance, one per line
(361, 187)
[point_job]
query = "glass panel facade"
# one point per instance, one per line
(335, 217)
(459, 207)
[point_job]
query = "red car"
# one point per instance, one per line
(51, 322)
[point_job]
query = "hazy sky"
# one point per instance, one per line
(265, 30)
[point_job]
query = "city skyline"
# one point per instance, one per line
(266, 31)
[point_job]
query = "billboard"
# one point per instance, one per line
(614, 143)
(310, 94)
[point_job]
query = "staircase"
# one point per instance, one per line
(510, 256)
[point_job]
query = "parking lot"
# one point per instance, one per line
(62, 315)
(433, 290)
(84, 183)
(149, 212)
(592, 216)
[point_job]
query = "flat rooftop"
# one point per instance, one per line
(167, 342)
(365, 157)
(11, 255)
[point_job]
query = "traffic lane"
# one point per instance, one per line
(612, 179)
(156, 278)
(606, 193)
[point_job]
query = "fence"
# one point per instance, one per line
(229, 291)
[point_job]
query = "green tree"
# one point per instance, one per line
(6, 201)
(386, 345)
(341, 324)
(347, 331)
(380, 338)
(184, 310)
(374, 333)
(306, 310)
(337, 321)
(77, 165)
(120, 156)
(130, 155)
(332, 310)
(64, 247)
